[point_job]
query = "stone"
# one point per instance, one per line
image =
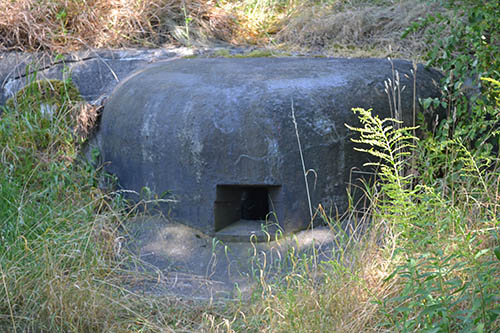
(94, 72)
(218, 136)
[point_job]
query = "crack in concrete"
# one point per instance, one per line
(51, 65)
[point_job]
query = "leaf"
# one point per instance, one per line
(497, 252)
(481, 253)
(402, 309)
(426, 102)
(433, 308)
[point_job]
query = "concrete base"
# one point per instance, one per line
(249, 230)
(175, 259)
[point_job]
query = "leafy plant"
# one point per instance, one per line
(465, 43)
(447, 279)
(389, 144)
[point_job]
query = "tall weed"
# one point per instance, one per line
(445, 264)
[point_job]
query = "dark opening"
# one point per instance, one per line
(254, 204)
(242, 202)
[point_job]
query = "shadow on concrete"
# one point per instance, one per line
(183, 262)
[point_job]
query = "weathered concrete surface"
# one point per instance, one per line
(95, 73)
(181, 261)
(213, 132)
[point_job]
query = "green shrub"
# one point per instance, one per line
(446, 270)
(465, 43)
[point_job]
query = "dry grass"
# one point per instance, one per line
(356, 31)
(57, 288)
(333, 296)
(259, 21)
(86, 119)
(345, 28)
(64, 26)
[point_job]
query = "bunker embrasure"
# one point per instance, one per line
(219, 135)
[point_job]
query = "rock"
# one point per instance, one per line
(218, 135)
(95, 73)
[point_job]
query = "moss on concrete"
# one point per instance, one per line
(225, 53)
(50, 99)
(50, 92)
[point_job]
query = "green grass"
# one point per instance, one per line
(60, 267)
(53, 219)
(428, 259)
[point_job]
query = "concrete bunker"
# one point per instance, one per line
(219, 135)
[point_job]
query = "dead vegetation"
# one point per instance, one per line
(347, 28)
(359, 30)
(61, 26)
